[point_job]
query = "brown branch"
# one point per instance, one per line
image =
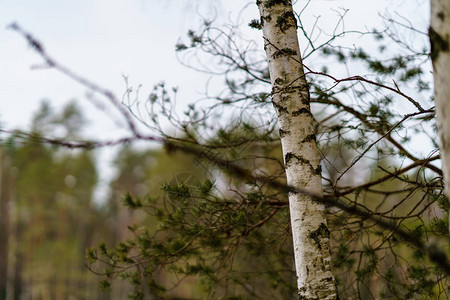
(87, 145)
(366, 185)
(363, 118)
(360, 78)
(263, 221)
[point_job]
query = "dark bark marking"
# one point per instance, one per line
(318, 170)
(267, 18)
(283, 133)
(270, 3)
(303, 110)
(284, 52)
(286, 21)
(289, 156)
(280, 109)
(319, 234)
(309, 138)
(438, 44)
(279, 81)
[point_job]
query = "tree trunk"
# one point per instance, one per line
(4, 231)
(6, 225)
(440, 55)
(290, 97)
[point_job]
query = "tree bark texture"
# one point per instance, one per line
(290, 97)
(439, 33)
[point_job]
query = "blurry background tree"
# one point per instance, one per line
(439, 33)
(47, 198)
(219, 225)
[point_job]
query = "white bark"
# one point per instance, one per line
(291, 100)
(440, 55)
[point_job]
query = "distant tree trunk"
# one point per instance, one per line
(290, 97)
(4, 231)
(440, 54)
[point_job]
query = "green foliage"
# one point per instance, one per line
(128, 201)
(256, 24)
(197, 234)
(370, 264)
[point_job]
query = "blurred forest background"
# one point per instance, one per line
(48, 214)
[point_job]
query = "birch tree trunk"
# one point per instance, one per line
(290, 97)
(440, 55)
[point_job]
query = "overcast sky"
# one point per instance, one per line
(100, 39)
(105, 39)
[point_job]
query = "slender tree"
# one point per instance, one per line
(440, 54)
(291, 100)
(4, 238)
